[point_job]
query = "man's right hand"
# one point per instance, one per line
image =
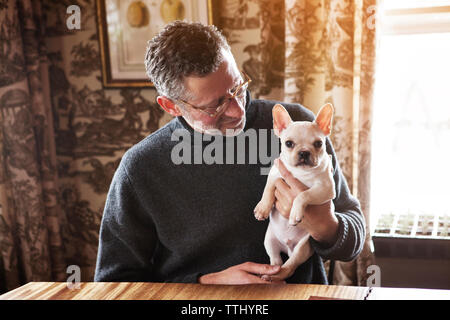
(245, 273)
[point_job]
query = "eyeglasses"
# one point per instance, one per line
(237, 93)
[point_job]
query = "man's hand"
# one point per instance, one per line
(319, 220)
(245, 273)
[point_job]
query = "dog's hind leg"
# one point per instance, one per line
(273, 247)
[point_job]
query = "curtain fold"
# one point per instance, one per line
(31, 246)
(366, 87)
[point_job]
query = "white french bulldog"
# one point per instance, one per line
(303, 154)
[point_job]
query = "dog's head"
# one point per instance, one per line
(302, 142)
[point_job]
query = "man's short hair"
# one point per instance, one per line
(183, 49)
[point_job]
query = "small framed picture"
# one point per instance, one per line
(125, 26)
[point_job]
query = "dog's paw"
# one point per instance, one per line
(295, 216)
(276, 261)
(299, 217)
(266, 277)
(283, 274)
(293, 220)
(262, 210)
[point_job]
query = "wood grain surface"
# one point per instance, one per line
(183, 291)
(179, 291)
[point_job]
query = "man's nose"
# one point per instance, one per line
(234, 109)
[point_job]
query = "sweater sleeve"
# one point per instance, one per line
(351, 232)
(127, 236)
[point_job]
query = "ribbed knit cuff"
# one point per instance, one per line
(330, 252)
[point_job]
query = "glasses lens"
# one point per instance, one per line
(237, 94)
(223, 105)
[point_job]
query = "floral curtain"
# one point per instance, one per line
(30, 240)
(313, 52)
(61, 138)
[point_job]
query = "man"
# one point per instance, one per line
(189, 222)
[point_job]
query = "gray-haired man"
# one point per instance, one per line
(194, 222)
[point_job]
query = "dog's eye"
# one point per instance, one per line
(289, 144)
(318, 144)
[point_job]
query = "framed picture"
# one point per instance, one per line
(125, 26)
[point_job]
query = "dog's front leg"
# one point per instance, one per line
(315, 195)
(297, 210)
(263, 208)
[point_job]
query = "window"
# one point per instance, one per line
(410, 189)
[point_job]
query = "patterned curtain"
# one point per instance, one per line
(61, 138)
(313, 52)
(30, 240)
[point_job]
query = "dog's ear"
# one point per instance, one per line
(325, 117)
(281, 119)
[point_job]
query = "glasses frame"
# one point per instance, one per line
(227, 100)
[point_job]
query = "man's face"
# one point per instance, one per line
(208, 92)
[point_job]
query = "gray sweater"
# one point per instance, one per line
(170, 222)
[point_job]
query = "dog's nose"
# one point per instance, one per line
(304, 155)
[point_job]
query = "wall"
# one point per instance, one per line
(414, 273)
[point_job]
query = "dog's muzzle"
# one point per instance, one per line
(304, 158)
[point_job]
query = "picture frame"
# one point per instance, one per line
(125, 26)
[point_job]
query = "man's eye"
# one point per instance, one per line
(289, 144)
(221, 101)
(213, 107)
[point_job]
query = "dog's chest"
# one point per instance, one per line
(287, 234)
(306, 177)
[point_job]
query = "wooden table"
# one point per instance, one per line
(179, 291)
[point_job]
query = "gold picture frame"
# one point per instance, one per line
(125, 26)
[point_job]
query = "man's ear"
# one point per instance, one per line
(168, 106)
(281, 119)
(325, 118)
